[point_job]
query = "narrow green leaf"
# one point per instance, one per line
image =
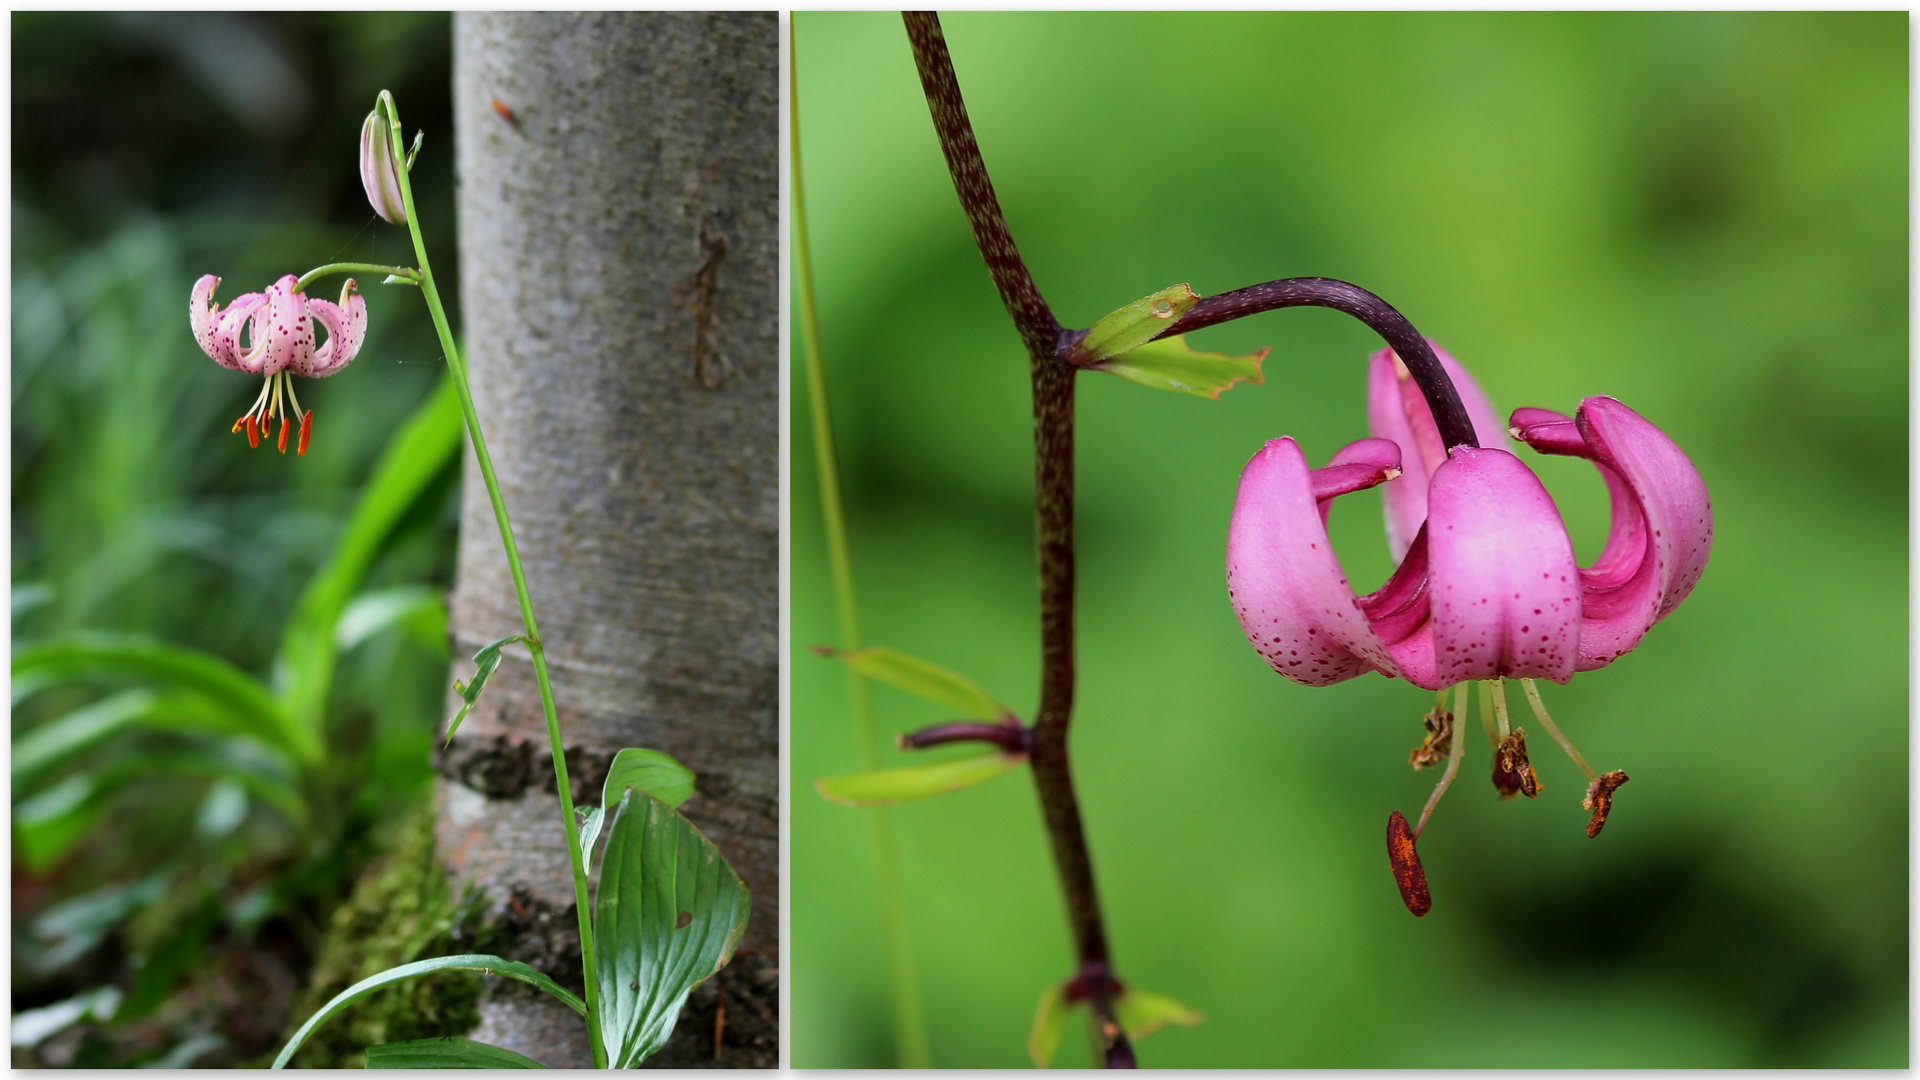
(49, 825)
(447, 1052)
(921, 679)
(418, 453)
(486, 662)
(94, 654)
(372, 613)
(669, 913)
(1048, 1025)
(1142, 1013)
(1171, 364)
(41, 748)
(917, 781)
(1134, 325)
(492, 965)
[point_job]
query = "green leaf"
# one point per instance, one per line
(1048, 1025)
(1134, 325)
(417, 455)
(921, 679)
(642, 770)
(1171, 364)
(446, 1052)
(650, 771)
(492, 965)
(50, 824)
(95, 654)
(486, 662)
(669, 913)
(1142, 1013)
(47, 745)
(917, 781)
(372, 613)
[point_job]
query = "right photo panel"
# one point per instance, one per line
(1338, 540)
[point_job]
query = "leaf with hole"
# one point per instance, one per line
(486, 662)
(1172, 364)
(924, 680)
(668, 914)
(1134, 325)
(448, 1052)
(491, 965)
(918, 781)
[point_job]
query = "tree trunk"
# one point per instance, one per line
(618, 246)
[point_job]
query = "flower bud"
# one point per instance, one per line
(379, 172)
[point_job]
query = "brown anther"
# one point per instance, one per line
(306, 425)
(1600, 799)
(284, 428)
(1511, 770)
(253, 432)
(1407, 872)
(1438, 744)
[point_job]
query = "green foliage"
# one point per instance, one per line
(1704, 214)
(1134, 325)
(1172, 364)
(446, 1052)
(644, 770)
(924, 680)
(486, 662)
(917, 781)
(668, 914)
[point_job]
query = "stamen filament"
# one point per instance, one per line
(1540, 710)
(1486, 715)
(1497, 689)
(1453, 758)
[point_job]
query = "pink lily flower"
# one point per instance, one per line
(1487, 587)
(279, 343)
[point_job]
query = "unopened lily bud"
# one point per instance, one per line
(379, 172)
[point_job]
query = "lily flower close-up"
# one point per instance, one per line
(272, 334)
(1487, 587)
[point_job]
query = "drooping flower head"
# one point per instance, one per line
(271, 334)
(1487, 587)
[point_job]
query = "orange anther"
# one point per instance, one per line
(1407, 872)
(238, 424)
(284, 425)
(253, 431)
(306, 423)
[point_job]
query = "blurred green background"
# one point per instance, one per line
(149, 149)
(1704, 215)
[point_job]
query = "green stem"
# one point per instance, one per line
(409, 273)
(909, 1025)
(458, 369)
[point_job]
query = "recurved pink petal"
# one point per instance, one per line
(203, 313)
(276, 330)
(346, 325)
(1397, 410)
(245, 313)
(1505, 593)
(1662, 528)
(1286, 585)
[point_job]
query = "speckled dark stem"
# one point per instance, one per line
(1053, 498)
(1448, 414)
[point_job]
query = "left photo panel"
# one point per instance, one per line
(395, 635)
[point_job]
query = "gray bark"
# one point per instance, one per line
(618, 246)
